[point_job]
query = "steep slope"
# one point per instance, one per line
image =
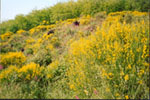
(102, 56)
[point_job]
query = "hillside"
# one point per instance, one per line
(69, 10)
(103, 56)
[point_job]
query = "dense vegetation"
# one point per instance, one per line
(71, 9)
(105, 56)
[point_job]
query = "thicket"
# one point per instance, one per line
(70, 9)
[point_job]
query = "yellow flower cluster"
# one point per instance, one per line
(30, 40)
(20, 31)
(35, 44)
(50, 26)
(36, 47)
(32, 31)
(46, 37)
(135, 13)
(85, 20)
(12, 58)
(27, 72)
(8, 73)
(72, 87)
(41, 28)
(126, 77)
(69, 21)
(30, 71)
(44, 22)
(66, 22)
(50, 46)
(6, 35)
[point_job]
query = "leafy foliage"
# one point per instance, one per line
(70, 9)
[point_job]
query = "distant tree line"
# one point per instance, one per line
(71, 9)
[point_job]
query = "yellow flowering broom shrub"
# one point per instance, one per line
(27, 72)
(85, 20)
(12, 58)
(120, 49)
(34, 30)
(21, 31)
(41, 28)
(50, 26)
(6, 35)
(30, 71)
(9, 74)
(30, 41)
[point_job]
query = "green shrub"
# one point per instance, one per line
(42, 57)
(70, 9)
(28, 51)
